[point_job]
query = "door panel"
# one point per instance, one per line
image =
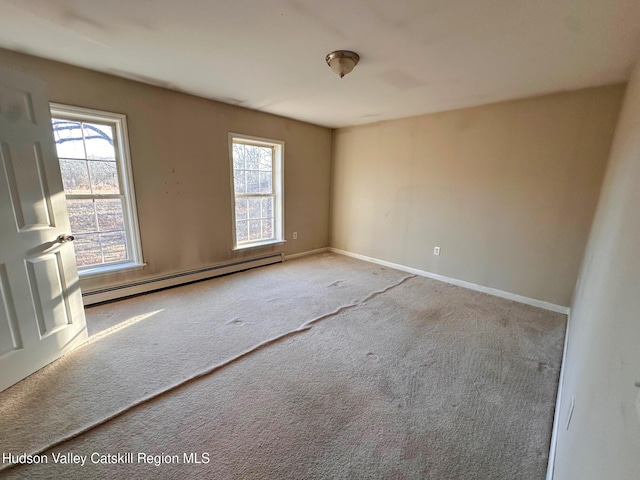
(27, 185)
(9, 332)
(48, 287)
(41, 312)
(16, 103)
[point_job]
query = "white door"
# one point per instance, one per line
(41, 312)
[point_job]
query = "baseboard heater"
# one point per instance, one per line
(144, 286)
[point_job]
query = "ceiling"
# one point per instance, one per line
(417, 56)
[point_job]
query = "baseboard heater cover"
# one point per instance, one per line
(144, 286)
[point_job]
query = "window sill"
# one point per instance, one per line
(110, 269)
(258, 244)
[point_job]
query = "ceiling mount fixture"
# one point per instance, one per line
(342, 61)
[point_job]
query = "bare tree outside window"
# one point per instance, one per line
(257, 184)
(97, 203)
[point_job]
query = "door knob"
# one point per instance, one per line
(65, 238)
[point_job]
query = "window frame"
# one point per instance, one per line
(118, 122)
(277, 166)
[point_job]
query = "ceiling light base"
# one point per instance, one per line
(342, 61)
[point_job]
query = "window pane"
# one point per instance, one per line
(110, 214)
(104, 177)
(99, 141)
(82, 216)
(241, 208)
(242, 234)
(267, 207)
(239, 181)
(68, 137)
(265, 159)
(254, 207)
(100, 208)
(256, 181)
(265, 182)
(253, 184)
(252, 157)
(87, 248)
(238, 157)
(114, 246)
(75, 176)
(254, 230)
(267, 229)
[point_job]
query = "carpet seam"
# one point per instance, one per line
(302, 328)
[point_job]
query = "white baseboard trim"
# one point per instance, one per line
(461, 283)
(306, 254)
(556, 414)
(148, 285)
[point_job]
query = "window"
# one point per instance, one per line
(96, 175)
(257, 190)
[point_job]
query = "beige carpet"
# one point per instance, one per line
(322, 367)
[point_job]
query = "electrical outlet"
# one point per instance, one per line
(295, 235)
(436, 250)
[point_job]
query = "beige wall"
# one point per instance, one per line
(179, 149)
(507, 190)
(602, 363)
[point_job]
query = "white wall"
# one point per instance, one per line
(603, 354)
